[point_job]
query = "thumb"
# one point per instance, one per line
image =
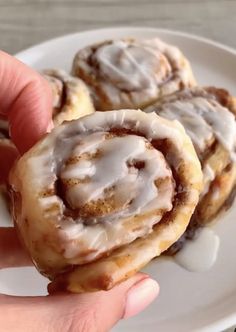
(91, 312)
(25, 100)
(102, 310)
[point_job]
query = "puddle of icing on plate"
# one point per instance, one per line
(199, 254)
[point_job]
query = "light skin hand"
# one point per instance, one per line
(25, 100)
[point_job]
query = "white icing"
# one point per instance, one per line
(132, 66)
(111, 170)
(132, 72)
(201, 253)
(208, 177)
(208, 173)
(203, 120)
(216, 193)
(134, 190)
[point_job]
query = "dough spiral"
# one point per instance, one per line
(99, 197)
(131, 73)
(208, 116)
(71, 98)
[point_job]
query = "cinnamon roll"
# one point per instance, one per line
(208, 115)
(131, 73)
(71, 98)
(99, 197)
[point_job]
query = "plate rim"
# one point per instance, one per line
(230, 319)
(180, 33)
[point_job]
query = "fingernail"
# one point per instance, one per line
(140, 296)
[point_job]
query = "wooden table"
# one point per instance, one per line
(26, 22)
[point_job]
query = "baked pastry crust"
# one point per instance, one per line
(131, 73)
(71, 97)
(208, 115)
(99, 197)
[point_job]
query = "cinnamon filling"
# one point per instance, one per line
(92, 212)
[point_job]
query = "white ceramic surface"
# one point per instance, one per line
(188, 301)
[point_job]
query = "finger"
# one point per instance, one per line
(12, 254)
(25, 99)
(104, 309)
(76, 313)
(8, 154)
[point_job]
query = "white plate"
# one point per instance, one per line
(188, 301)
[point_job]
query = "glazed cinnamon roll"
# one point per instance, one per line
(99, 197)
(208, 115)
(131, 73)
(71, 98)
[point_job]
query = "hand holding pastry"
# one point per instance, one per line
(25, 100)
(101, 196)
(70, 100)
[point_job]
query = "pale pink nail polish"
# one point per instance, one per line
(140, 296)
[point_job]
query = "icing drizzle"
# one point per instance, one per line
(131, 73)
(119, 186)
(132, 66)
(111, 170)
(203, 120)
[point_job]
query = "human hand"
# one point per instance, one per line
(25, 101)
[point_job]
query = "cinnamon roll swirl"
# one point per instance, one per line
(71, 98)
(131, 73)
(99, 197)
(208, 115)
